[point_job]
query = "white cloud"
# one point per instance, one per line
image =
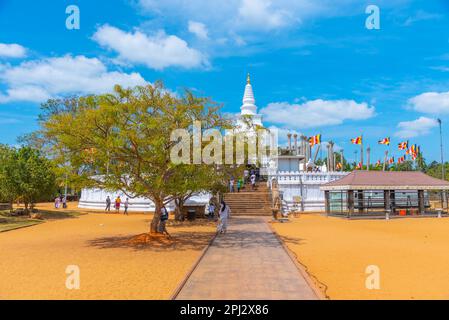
(421, 16)
(316, 113)
(261, 14)
(415, 128)
(431, 102)
(38, 80)
(157, 52)
(232, 15)
(198, 29)
(12, 50)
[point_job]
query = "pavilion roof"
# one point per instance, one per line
(386, 180)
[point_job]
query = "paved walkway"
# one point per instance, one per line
(248, 263)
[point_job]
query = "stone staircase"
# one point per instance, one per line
(250, 203)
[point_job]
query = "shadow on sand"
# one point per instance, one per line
(185, 239)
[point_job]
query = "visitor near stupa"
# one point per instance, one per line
(118, 202)
(225, 213)
(108, 204)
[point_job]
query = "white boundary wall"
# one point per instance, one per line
(96, 199)
(305, 185)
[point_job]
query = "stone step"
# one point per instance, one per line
(257, 213)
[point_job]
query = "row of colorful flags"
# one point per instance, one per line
(410, 150)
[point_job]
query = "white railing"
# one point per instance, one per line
(307, 177)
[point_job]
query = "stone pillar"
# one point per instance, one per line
(289, 136)
(342, 160)
(303, 151)
(421, 208)
(295, 137)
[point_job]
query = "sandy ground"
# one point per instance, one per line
(412, 255)
(34, 260)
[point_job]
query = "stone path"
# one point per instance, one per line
(248, 263)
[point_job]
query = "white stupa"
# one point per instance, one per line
(248, 109)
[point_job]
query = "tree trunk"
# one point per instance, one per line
(178, 210)
(157, 216)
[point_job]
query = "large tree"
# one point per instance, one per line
(122, 141)
(25, 175)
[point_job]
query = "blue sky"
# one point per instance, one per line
(315, 67)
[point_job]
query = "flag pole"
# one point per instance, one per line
(443, 174)
(368, 151)
(361, 151)
(385, 161)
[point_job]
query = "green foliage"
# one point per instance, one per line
(434, 170)
(126, 138)
(25, 175)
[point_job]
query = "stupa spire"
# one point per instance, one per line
(249, 103)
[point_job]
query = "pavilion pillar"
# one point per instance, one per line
(444, 195)
(350, 202)
(421, 201)
(393, 200)
(327, 202)
(387, 200)
(360, 201)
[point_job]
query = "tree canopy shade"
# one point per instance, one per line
(126, 138)
(25, 175)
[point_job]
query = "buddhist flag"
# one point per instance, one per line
(315, 140)
(401, 159)
(385, 141)
(378, 163)
(403, 145)
(412, 150)
(359, 166)
(357, 140)
(391, 161)
(339, 166)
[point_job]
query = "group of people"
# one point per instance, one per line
(117, 204)
(249, 176)
(60, 200)
(223, 215)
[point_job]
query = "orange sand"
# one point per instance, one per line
(412, 254)
(113, 262)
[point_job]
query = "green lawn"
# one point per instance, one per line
(8, 223)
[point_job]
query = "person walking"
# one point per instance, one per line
(64, 203)
(163, 221)
(108, 204)
(245, 176)
(253, 181)
(211, 211)
(57, 202)
(118, 202)
(224, 214)
(239, 184)
(126, 204)
(231, 184)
